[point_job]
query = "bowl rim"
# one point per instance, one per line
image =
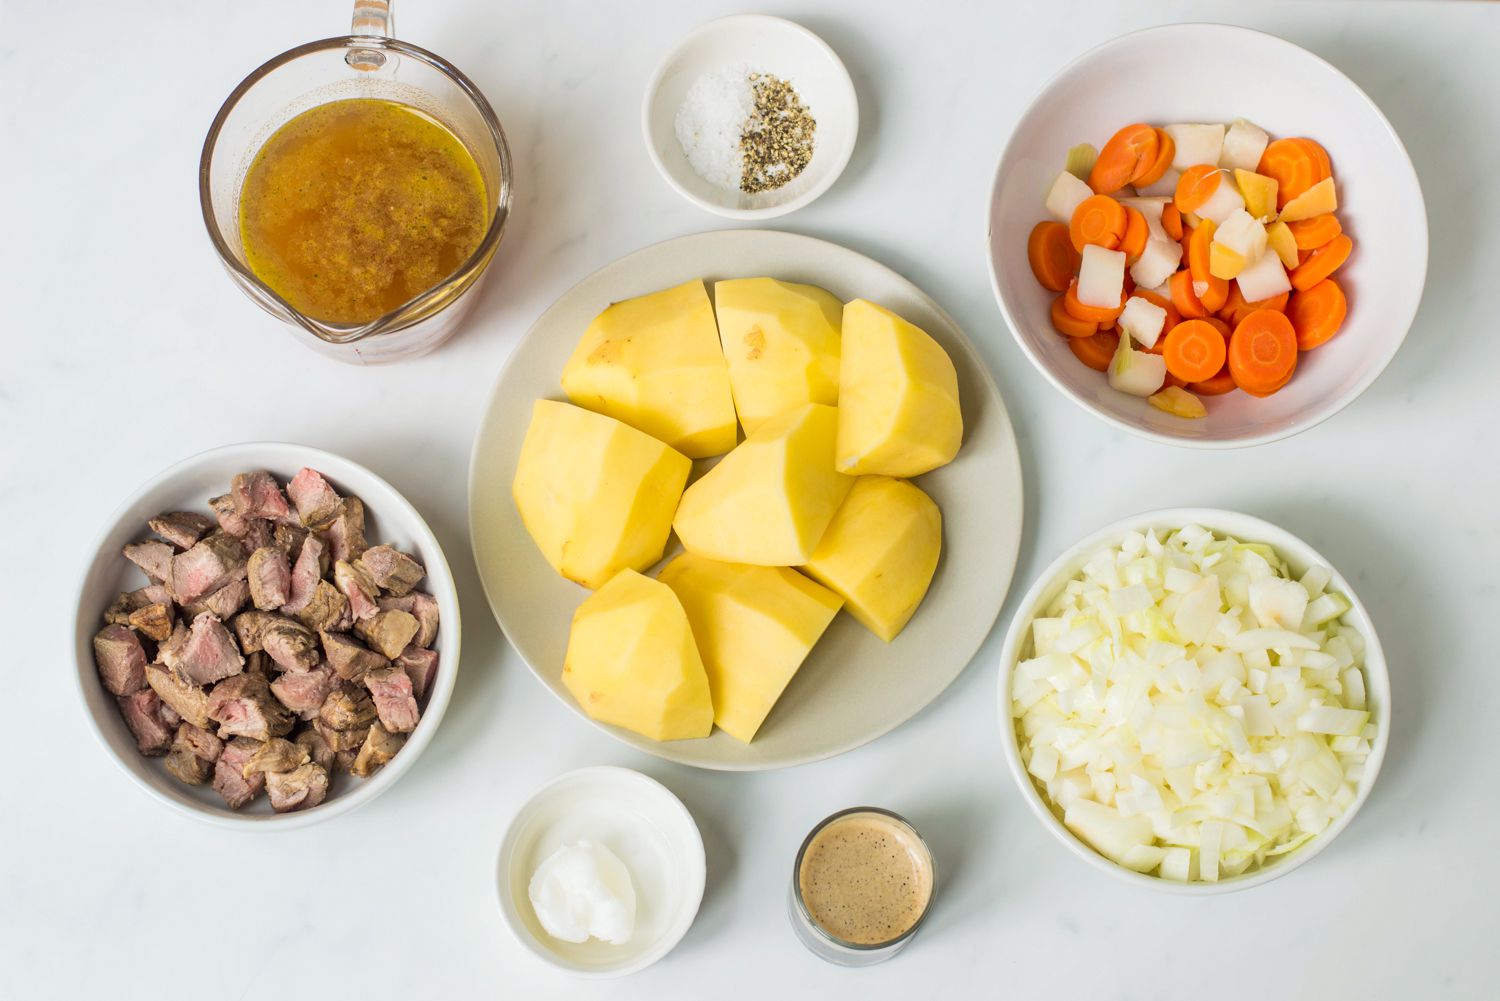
(697, 876)
(1246, 527)
(1407, 175)
(845, 84)
(441, 582)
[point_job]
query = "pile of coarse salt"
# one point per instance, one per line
(711, 122)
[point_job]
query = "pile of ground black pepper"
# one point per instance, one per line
(778, 140)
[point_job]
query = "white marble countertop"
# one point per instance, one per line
(126, 349)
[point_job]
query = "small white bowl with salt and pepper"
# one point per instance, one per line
(750, 116)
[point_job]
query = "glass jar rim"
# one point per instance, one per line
(797, 878)
(400, 317)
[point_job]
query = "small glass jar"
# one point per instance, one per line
(911, 874)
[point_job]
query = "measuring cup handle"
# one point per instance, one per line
(372, 19)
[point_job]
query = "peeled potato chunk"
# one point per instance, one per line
(898, 396)
(632, 661)
(768, 502)
(754, 626)
(880, 553)
(782, 344)
(655, 363)
(596, 495)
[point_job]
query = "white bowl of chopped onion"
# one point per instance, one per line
(1194, 700)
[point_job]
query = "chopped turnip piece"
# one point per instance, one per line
(1156, 264)
(1066, 194)
(1166, 186)
(1243, 145)
(1151, 209)
(1263, 278)
(1196, 144)
(1144, 320)
(1224, 202)
(1136, 372)
(1101, 277)
(1242, 233)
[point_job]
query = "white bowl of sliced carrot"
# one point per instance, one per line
(1207, 236)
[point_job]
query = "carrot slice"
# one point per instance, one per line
(1294, 166)
(1098, 219)
(1129, 153)
(1196, 186)
(1232, 306)
(1095, 351)
(1184, 298)
(1198, 251)
(1053, 259)
(1093, 314)
(1317, 314)
(1223, 328)
(1215, 295)
(1321, 263)
(1136, 232)
(1194, 351)
(1216, 385)
(1067, 324)
(1166, 150)
(1263, 352)
(1310, 234)
(1319, 155)
(1171, 220)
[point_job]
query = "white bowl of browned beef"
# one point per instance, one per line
(281, 643)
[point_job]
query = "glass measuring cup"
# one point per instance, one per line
(366, 63)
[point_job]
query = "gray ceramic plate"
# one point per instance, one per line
(853, 687)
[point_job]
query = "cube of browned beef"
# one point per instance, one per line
(229, 520)
(276, 755)
(289, 538)
(379, 747)
(291, 645)
(306, 572)
(326, 609)
(142, 712)
(194, 751)
(209, 653)
(392, 569)
(420, 665)
(181, 528)
(250, 627)
(357, 588)
(121, 660)
(350, 658)
(304, 692)
(388, 632)
(185, 698)
(317, 503)
(244, 706)
(318, 751)
(258, 495)
(223, 602)
(341, 741)
(346, 533)
(208, 566)
(258, 535)
(154, 558)
(391, 691)
(270, 577)
(152, 621)
(126, 602)
(347, 707)
(230, 780)
(423, 607)
(302, 788)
